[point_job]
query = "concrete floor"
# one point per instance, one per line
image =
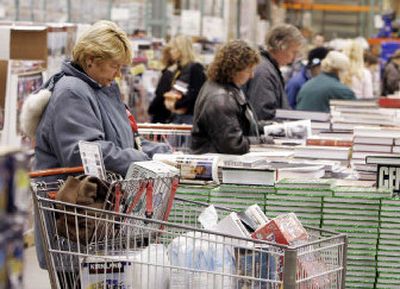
(34, 277)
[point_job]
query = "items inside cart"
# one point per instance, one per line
(142, 236)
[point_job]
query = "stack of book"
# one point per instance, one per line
(345, 114)
(389, 245)
(373, 141)
(332, 153)
(359, 219)
(319, 120)
(304, 198)
(239, 197)
(190, 192)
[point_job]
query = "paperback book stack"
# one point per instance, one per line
(329, 153)
(373, 141)
(359, 219)
(389, 245)
(346, 115)
(319, 120)
(239, 197)
(304, 198)
(190, 192)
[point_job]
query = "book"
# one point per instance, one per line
(232, 225)
(284, 229)
(390, 102)
(322, 152)
(371, 139)
(249, 176)
(301, 115)
(300, 129)
(244, 161)
(193, 167)
(393, 132)
(321, 141)
(383, 159)
(353, 103)
(372, 148)
(255, 213)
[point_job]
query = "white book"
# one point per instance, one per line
(386, 159)
(299, 114)
(369, 139)
(322, 152)
(254, 176)
(232, 225)
(377, 131)
(372, 148)
(257, 215)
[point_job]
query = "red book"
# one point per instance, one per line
(329, 142)
(284, 229)
(390, 102)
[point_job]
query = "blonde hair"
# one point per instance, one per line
(335, 62)
(184, 45)
(104, 40)
(355, 53)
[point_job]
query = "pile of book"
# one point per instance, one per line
(389, 245)
(346, 115)
(238, 197)
(319, 120)
(359, 219)
(301, 197)
(373, 141)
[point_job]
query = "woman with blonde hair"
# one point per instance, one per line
(187, 81)
(357, 77)
(224, 121)
(317, 92)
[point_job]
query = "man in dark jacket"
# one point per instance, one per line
(266, 91)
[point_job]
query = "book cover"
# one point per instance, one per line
(284, 229)
(254, 176)
(315, 141)
(390, 102)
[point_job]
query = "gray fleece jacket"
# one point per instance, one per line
(80, 109)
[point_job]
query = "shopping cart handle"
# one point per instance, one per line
(56, 171)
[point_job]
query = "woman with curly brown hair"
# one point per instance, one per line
(223, 120)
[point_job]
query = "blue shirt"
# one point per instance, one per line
(295, 84)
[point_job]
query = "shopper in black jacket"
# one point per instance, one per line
(223, 120)
(188, 79)
(157, 108)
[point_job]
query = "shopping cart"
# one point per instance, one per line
(134, 251)
(178, 136)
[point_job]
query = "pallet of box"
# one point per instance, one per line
(389, 245)
(359, 219)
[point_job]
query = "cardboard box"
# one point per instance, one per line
(23, 43)
(284, 229)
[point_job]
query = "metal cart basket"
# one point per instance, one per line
(127, 250)
(177, 136)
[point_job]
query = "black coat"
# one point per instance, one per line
(157, 109)
(192, 74)
(223, 120)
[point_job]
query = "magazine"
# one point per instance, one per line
(192, 167)
(292, 129)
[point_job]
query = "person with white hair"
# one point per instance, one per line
(316, 93)
(266, 91)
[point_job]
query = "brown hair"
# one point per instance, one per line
(231, 58)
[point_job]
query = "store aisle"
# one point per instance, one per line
(34, 277)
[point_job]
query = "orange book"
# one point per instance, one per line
(329, 142)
